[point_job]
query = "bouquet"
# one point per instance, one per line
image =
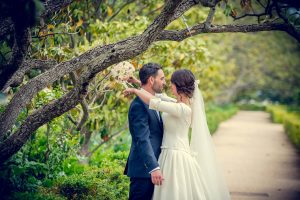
(122, 72)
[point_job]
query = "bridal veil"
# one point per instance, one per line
(201, 143)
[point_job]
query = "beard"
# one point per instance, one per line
(156, 88)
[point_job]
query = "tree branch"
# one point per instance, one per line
(112, 135)
(85, 116)
(119, 10)
(249, 15)
(57, 33)
(21, 34)
(210, 16)
(97, 93)
(21, 43)
(27, 65)
(41, 116)
(87, 138)
(200, 29)
(95, 61)
(6, 26)
(262, 5)
(102, 57)
(207, 3)
(52, 6)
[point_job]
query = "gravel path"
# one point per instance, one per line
(258, 160)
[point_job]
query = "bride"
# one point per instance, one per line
(189, 167)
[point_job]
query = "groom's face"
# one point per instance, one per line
(159, 82)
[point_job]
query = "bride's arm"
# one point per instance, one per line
(143, 94)
(162, 96)
(146, 96)
(156, 103)
(165, 97)
(176, 109)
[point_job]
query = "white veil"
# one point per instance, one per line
(202, 145)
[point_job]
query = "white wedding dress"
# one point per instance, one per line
(183, 177)
(190, 169)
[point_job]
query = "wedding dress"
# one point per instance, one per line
(186, 177)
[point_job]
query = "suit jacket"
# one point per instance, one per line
(146, 131)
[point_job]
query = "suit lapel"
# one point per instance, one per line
(154, 113)
(161, 122)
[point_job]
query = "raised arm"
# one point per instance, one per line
(155, 103)
(177, 109)
(146, 96)
(143, 94)
(165, 97)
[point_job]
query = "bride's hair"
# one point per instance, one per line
(184, 80)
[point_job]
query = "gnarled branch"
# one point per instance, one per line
(200, 29)
(102, 57)
(27, 65)
(13, 25)
(39, 117)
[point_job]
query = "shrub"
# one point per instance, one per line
(289, 119)
(278, 113)
(36, 196)
(292, 127)
(76, 186)
(103, 178)
(252, 107)
(105, 183)
(216, 114)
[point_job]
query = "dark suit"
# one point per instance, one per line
(146, 131)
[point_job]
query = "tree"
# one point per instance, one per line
(266, 67)
(16, 35)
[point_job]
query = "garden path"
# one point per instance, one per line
(258, 160)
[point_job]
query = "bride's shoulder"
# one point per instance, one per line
(186, 106)
(186, 113)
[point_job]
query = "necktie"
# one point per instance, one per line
(157, 112)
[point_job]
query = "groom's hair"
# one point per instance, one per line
(147, 70)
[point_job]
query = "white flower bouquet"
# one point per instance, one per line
(122, 72)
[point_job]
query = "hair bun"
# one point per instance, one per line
(184, 81)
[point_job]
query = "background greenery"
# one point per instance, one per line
(235, 71)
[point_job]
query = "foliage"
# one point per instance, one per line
(252, 105)
(107, 108)
(216, 114)
(25, 14)
(289, 118)
(292, 15)
(52, 165)
(261, 76)
(106, 181)
(63, 175)
(42, 195)
(46, 156)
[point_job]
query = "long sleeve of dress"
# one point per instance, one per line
(177, 109)
(165, 97)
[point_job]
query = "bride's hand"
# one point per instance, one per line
(129, 91)
(132, 79)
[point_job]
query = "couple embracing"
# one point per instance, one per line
(164, 162)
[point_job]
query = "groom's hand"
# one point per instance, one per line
(157, 177)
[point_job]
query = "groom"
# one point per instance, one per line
(146, 130)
